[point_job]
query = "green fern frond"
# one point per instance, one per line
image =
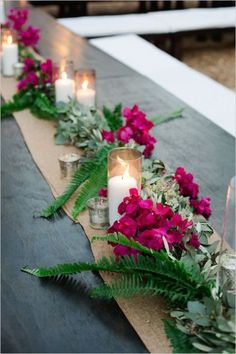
(169, 278)
(80, 176)
(60, 269)
(104, 264)
(136, 284)
(180, 341)
(90, 187)
(43, 108)
(113, 118)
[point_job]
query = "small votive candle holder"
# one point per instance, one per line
(64, 81)
(69, 164)
(86, 87)
(18, 70)
(98, 213)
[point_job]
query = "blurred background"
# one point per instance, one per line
(208, 50)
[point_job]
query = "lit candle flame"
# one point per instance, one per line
(85, 85)
(64, 75)
(9, 40)
(125, 165)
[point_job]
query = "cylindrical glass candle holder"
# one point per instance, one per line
(2, 12)
(86, 87)
(69, 164)
(227, 260)
(124, 173)
(98, 213)
(18, 69)
(64, 81)
(9, 52)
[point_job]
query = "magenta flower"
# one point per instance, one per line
(29, 64)
(17, 18)
(149, 223)
(126, 225)
(102, 192)
(152, 238)
(174, 237)
(137, 127)
(194, 241)
(187, 187)
(22, 84)
(145, 204)
(47, 71)
(130, 204)
(132, 113)
(108, 136)
(30, 79)
(147, 219)
(148, 150)
(202, 206)
(124, 134)
(30, 36)
(121, 251)
(163, 211)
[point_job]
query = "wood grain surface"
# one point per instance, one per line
(58, 316)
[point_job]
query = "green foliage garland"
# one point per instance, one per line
(39, 101)
(203, 324)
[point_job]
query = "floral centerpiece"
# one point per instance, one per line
(161, 240)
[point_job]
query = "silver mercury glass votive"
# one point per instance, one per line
(18, 69)
(98, 213)
(69, 164)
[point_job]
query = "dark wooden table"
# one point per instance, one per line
(59, 316)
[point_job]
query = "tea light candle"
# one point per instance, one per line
(86, 95)
(9, 56)
(69, 164)
(64, 88)
(124, 173)
(98, 213)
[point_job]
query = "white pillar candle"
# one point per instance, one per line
(64, 88)
(118, 189)
(85, 95)
(9, 56)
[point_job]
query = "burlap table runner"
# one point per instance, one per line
(144, 313)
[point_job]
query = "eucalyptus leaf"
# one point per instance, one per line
(202, 347)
